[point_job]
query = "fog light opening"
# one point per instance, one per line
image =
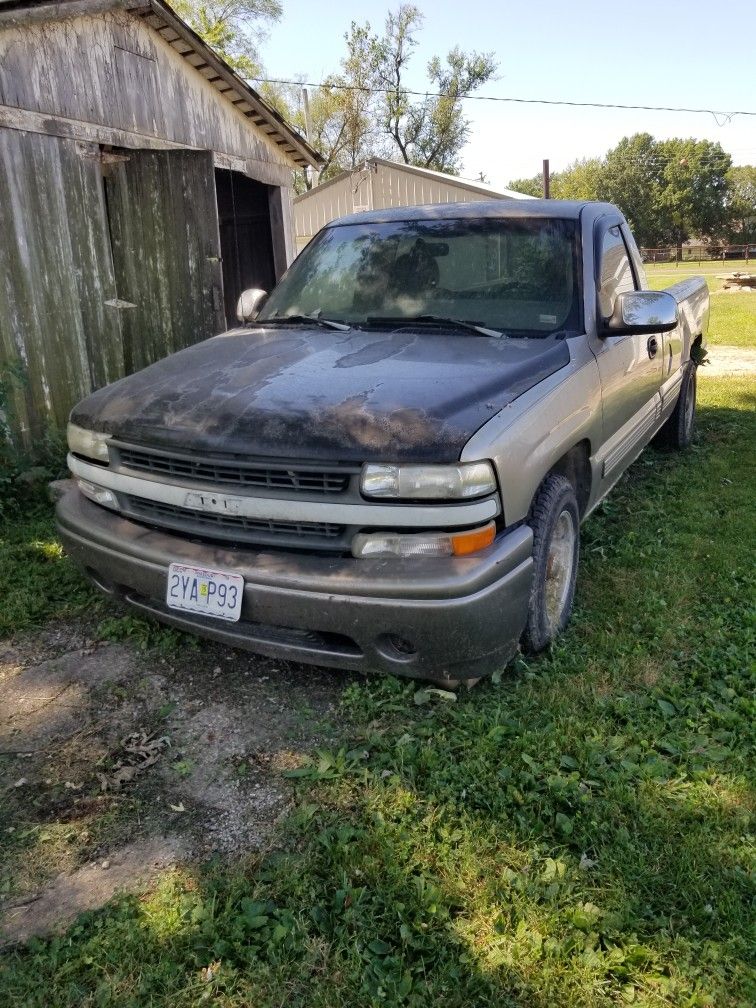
(396, 648)
(102, 583)
(402, 646)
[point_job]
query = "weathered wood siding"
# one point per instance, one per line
(55, 277)
(148, 234)
(113, 70)
(166, 251)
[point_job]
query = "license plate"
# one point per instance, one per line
(208, 592)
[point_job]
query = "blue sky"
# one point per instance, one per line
(661, 53)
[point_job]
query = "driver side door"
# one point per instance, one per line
(630, 365)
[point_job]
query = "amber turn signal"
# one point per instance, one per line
(464, 543)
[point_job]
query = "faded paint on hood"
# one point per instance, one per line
(315, 394)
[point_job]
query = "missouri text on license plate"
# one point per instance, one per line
(208, 592)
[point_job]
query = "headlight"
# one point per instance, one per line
(419, 482)
(90, 444)
(381, 544)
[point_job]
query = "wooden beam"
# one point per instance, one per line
(53, 10)
(13, 118)
(290, 137)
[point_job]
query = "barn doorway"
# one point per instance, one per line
(162, 221)
(245, 236)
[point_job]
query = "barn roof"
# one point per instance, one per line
(177, 33)
(479, 188)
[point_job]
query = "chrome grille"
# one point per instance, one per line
(230, 471)
(235, 528)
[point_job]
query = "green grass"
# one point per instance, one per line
(670, 273)
(733, 313)
(38, 585)
(733, 319)
(577, 834)
(37, 582)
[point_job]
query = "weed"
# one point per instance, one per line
(183, 768)
(37, 582)
(145, 635)
(24, 471)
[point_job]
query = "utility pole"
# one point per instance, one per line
(546, 179)
(314, 173)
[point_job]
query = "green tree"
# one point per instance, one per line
(630, 179)
(343, 124)
(669, 190)
(741, 204)
(233, 28)
(579, 181)
(532, 186)
(366, 109)
(429, 132)
(692, 189)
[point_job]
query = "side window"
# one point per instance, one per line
(635, 259)
(616, 272)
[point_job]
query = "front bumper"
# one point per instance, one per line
(459, 617)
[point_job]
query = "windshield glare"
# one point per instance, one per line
(515, 275)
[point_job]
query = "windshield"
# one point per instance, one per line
(518, 276)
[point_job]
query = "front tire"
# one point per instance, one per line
(555, 520)
(677, 432)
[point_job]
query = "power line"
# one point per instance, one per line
(717, 114)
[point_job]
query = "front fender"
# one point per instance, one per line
(530, 435)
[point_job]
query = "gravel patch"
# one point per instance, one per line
(111, 757)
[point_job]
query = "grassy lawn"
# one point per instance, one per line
(733, 313)
(38, 582)
(578, 833)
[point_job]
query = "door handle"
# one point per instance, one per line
(653, 346)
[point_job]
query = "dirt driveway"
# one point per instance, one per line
(115, 765)
(724, 360)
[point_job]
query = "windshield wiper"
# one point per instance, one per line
(436, 320)
(300, 319)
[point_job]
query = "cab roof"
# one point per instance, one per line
(562, 209)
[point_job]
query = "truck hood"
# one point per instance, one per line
(300, 393)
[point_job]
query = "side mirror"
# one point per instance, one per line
(642, 312)
(249, 304)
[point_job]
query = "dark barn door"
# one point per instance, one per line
(163, 222)
(245, 236)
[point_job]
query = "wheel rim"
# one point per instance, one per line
(560, 560)
(690, 402)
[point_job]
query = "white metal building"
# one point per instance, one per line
(378, 184)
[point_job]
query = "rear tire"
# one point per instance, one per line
(555, 521)
(677, 432)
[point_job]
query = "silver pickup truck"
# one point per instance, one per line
(386, 465)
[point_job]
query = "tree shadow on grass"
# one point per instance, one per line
(445, 875)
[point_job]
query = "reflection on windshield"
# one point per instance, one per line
(515, 275)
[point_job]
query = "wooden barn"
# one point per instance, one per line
(143, 185)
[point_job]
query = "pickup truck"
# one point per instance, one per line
(386, 465)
